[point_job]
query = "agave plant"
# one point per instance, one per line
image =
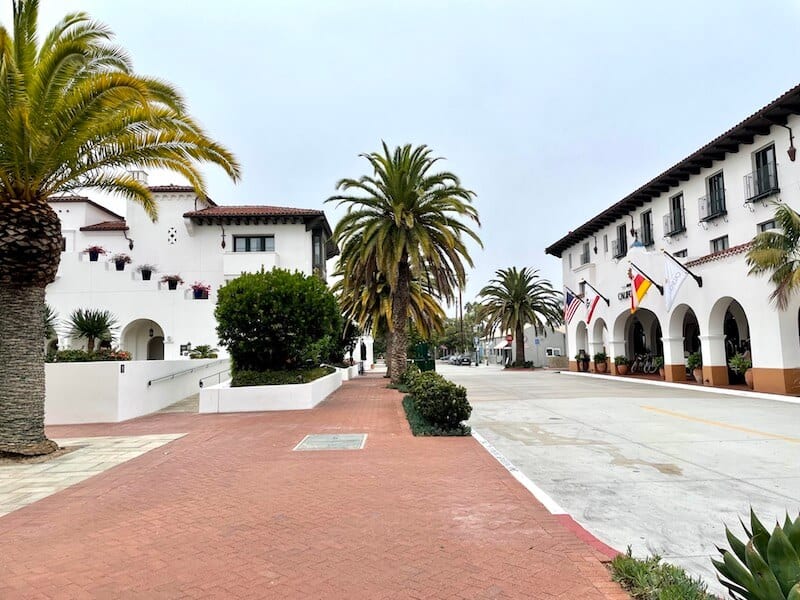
(92, 324)
(766, 567)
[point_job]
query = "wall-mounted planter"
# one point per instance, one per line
(120, 264)
(93, 256)
(146, 274)
(172, 285)
(200, 294)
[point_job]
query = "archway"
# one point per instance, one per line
(581, 338)
(144, 339)
(599, 336)
(729, 333)
(642, 334)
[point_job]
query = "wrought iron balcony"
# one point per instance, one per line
(619, 248)
(761, 183)
(674, 223)
(712, 206)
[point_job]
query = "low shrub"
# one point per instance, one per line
(422, 427)
(246, 378)
(409, 376)
(650, 579)
(104, 354)
(441, 402)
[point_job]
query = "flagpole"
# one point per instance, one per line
(660, 288)
(697, 278)
(584, 282)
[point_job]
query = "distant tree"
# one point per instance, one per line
(409, 220)
(516, 297)
(92, 325)
(778, 254)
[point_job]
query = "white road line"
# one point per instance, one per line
(537, 492)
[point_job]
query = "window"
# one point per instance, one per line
(570, 259)
(582, 288)
(674, 222)
(63, 244)
(647, 228)
(680, 253)
(553, 352)
(767, 226)
(719, 244)
(619, 246)
(254, 243)
(605, 243)
(585, 253)
(317, 259)
(763, 181)
(713, 204)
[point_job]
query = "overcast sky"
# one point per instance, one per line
(549, 111)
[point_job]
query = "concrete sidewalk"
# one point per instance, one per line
(229, 510)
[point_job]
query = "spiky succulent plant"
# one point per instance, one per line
(765, 567)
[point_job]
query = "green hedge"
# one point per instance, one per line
(436, 406)
(245, 378)
(84, 356)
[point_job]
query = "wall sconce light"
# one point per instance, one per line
(792, 151)
(130, 241)
(595, 243)
(150, 333)
(633, 231)
(222, 244)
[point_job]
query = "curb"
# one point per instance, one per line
(545, 500)
(681, 386)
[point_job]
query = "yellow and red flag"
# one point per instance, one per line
(639, 286)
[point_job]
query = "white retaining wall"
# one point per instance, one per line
(108, 392)
(302, 396)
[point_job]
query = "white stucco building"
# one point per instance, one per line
(540, 346)
(193, 238)
(704, 210)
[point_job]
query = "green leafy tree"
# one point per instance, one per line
(92, 325)
(777, 253)
(73, 115)
(409, 219)
(276, 320)
(516, 297)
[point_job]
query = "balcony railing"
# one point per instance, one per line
(712, 206)
(619, 248)
(674, 223)
(647, 235)
(761, 183)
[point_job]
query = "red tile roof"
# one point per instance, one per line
(107, 226)
(161, 189)
(733, 250)
(254, 211)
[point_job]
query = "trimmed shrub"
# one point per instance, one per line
(439, 401)
(84, 356)
(276, 320)
(245, 378)
(651, 579)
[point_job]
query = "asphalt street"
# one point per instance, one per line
(660, 469)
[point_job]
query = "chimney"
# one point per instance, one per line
(140, 176)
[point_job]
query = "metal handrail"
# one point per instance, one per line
(178, 374)
(226, 370)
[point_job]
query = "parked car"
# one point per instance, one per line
(465, 359)
(455, 359)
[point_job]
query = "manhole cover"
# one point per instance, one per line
(326, 441)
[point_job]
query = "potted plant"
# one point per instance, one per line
(146, 271)
(94, 252)
(621, 363)
(600, 362)
(200, 290)
(120, 260)
(658, 361)
(694, 362)
(172, 281)
(583, 360)
(741, 365)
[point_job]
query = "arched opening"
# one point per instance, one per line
(600, 336)
(144, 339)
(581, 338)
(728, 325)
(642, 334)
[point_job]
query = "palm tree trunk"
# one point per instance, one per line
(22, 372)
(90, 344)
(400, 299)
(387, 358)
(519, 334)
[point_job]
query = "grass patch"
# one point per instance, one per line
(246, 378)
(420, 426)
(650, 579)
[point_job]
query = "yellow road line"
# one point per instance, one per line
(723, 425)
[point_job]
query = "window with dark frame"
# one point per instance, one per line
(585, 253)
(763, 181)
(674, 222)
(647, 228)
(254, 243)
(605, 243)
(680, 253)
(620, 245)
(767, 226)
(715, 200)
(719, 244)
(63, 244)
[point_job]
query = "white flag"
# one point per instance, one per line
(673, 282)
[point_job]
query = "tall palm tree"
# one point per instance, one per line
(73, 115)
(778, 253)
(516, 297)
(409, 219)
(93, 325)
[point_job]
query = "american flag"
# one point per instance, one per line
(571, 304)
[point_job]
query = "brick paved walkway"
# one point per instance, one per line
(229, 511)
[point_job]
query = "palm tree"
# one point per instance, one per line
(515, 298)
(778, 253)
(409, 220)
(50, 322)
(73, 115)
(203, 351)
(92, 325)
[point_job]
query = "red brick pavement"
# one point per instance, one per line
(229, 511)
